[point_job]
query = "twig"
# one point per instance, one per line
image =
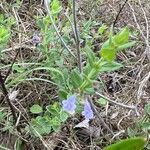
(5, 92)
(10, 68)
(99, 117)
(142, 85)
(77, 40)
(146, 20)
(139, 28)
(116, 19)
(56, 29)
(119, 104)
(19, 46)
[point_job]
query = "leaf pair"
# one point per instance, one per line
(114, 44)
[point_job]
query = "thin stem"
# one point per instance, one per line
(119, 104)
(99, 117)
(146, 20)
(9, 70)
(77, 39)
(56, 29)
(116, 19)
(5, 92)
(91, 74)
(138, 26)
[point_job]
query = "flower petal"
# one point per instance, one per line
(69, 104)
(87, 112)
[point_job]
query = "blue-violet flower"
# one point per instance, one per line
(87, 112)
(69, 104)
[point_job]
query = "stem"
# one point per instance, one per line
(9, 70)
(5, 92)
(119, 104)
(77, 39)
(116, 19)
(56, 29)
(92, 73)
(99, 117)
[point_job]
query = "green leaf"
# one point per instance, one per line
(131, 132)
(146, 125)
(4, 36)
(128, 144)
(62, 94)
(108, 53)
(89, 90)
(63, 116)
(87, 25)
(36, 109)
(2, 115)
(53, 109)
(55, 7)
(75, 78)
(40, 24)
(55, 123)
(44, 122)
(102, 29)
(40, 125)
(125, 46)
(18, 145)
(110, 66)
(90, 56)
(102, 101)
(122, 37)
(147, 108)
(120, 40)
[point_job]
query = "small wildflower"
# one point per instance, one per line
(87, 112)
(69, 104)
(35, 39)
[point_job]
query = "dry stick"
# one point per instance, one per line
(9, 70)
(77, 40)
(146, 20)
(56, 29)
(116, 19)
(139, 28)
(19, 46)
(147, 30)
(99, 117)
(119, 104)
(5, 92)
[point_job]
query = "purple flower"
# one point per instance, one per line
(69, 104)
(87, 112)
(35, 39)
